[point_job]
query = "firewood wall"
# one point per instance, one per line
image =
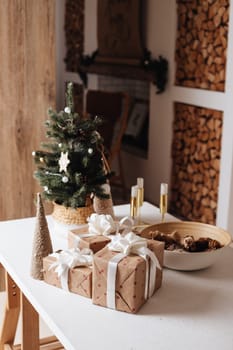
(196, 153)
(201, 44)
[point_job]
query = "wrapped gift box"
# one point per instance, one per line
(130, 278)
(95, 235)
(76, 238)
(79, 278)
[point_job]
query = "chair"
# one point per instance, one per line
(114, 108)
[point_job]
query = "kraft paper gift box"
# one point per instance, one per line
(80, 238)
(78, 279)
(130, 281)
(95, 235)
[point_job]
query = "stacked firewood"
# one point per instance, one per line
(196, 162)
(74, 33)
(201, 43)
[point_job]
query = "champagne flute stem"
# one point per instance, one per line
(139, 216)
(163, 216)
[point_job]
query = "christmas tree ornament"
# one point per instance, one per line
(41, 159)
(67, 110)
(98, 135)
(63, 161)
(42, 245)
(65, 179)
(33, 153)
(60, 145)
(45, 188)
(90, 150)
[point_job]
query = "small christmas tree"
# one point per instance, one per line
(71, 168)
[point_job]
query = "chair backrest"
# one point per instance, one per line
(114, 108)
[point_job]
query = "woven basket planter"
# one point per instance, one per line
(71, 216)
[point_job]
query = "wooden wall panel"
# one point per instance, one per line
(27, 89)
(74, 33)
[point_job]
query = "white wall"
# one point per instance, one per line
(161, 32)
(90, 36)
(225, 217)
(161, 35)
(160, 41)
(230, 216)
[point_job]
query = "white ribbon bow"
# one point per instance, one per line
(104, 225)
(125, 224)
(101, 224)
(125, 245)
(67, 259)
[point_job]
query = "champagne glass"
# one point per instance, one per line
(163, 199)
(140, 197)
(133, 202)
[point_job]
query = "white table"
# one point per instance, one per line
(192, 310)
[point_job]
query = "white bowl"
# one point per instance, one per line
(188, 261)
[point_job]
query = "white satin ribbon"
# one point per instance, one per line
(78, 238)
(67, 259)
(125, 224)
(125, 245)
(104, 225)
(101, 224)
(111, 279)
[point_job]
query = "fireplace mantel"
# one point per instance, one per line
(151, 70)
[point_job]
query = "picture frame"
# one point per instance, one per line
(137, 118)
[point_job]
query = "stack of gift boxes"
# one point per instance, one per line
(108, 262)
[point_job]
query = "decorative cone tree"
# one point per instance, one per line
(71, 167)
(42, 245)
